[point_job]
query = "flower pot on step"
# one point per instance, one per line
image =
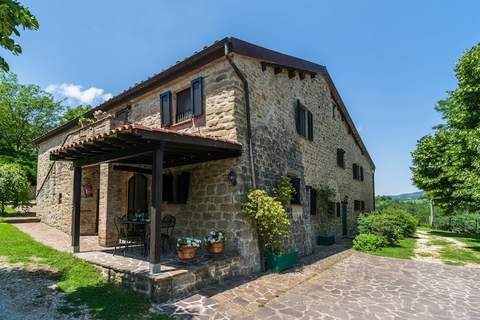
(216, 248)
(186, 253)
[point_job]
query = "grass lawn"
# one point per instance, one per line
(80, 281)
(404, 250)
(454, 255)
(8, 211)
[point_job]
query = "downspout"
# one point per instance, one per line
(247, 113)
(373, 187)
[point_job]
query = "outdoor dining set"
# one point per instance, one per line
(134, 232)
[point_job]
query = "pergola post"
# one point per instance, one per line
(156, 214)
(77, 182)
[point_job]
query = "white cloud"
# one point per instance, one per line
(74, 94)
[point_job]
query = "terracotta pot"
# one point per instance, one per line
(186, 253)
(216, 247)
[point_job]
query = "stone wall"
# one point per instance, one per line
(280, 150)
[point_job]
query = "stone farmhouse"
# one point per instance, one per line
(193, 139)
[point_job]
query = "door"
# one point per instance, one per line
(344, 218)
(137, 195)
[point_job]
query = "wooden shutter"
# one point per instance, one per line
(196, 90)
(355, 171)
(362, 205)
(313, 201)
(338, 209)
(341, 158)
(300, 118)
(166, 108)
(167, 190)
(310, 125)
(296, 186)
(183, 184)
(361, 173)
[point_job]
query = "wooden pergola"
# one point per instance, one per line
(138, 144)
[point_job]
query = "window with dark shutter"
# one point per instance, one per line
(183, 183)
(313, 201)
(300, 118)
(184, 105)
(362, 206)
(296, 186)
(333, 111)
(167, 189)
(341, 158)
(310, 125)
(166, 108)
(197, 96)
(338, 209)
(355, 171)
(361, 173)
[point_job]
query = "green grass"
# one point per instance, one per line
(438, 242)
(8, 211)
(404, 250)
(80, 281)
(454, 255)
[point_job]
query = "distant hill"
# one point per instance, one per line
(407, 196)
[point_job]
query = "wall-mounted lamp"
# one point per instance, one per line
(232, 177)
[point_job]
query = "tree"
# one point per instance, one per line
(13, 186)
(72, 113)
(13, 16)
(26, 112)
(446, 164)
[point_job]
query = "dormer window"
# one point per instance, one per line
(122, 115)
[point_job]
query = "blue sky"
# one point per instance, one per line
(391, 60)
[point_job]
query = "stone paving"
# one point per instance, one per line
(359, 286)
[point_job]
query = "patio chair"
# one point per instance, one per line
(168, 224)
(126, 238)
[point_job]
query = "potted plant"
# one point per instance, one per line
(187, 248)
(269, 215)
(215, 242)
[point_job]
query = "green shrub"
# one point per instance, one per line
(462, 223)
(368, 242)
(381, 225)
(404, 220)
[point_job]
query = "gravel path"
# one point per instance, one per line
(27, 292)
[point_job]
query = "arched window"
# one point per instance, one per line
(137, 195)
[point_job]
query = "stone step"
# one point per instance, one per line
(21, 219)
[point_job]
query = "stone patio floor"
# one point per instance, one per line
(357, 286)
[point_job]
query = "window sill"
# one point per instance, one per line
(178, 124)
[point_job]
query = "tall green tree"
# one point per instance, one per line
(77, 112)
(26, 112)
(12, 17)
(13, 186)
(446, 163)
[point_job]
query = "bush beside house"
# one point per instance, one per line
(384, 228)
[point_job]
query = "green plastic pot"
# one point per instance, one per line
(280, 262)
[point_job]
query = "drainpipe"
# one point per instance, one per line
(247, 113)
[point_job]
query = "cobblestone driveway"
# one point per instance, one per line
(369, 287)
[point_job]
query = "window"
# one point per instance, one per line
(184, 105)
(122, 115)
(296, 186)
(333, 111)
(175, 187)
(359, 205)
(313, 200)
(60, 198)
(166, 108)
(341, 158)
(303, 121)
(339, 209)
(357, 172)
